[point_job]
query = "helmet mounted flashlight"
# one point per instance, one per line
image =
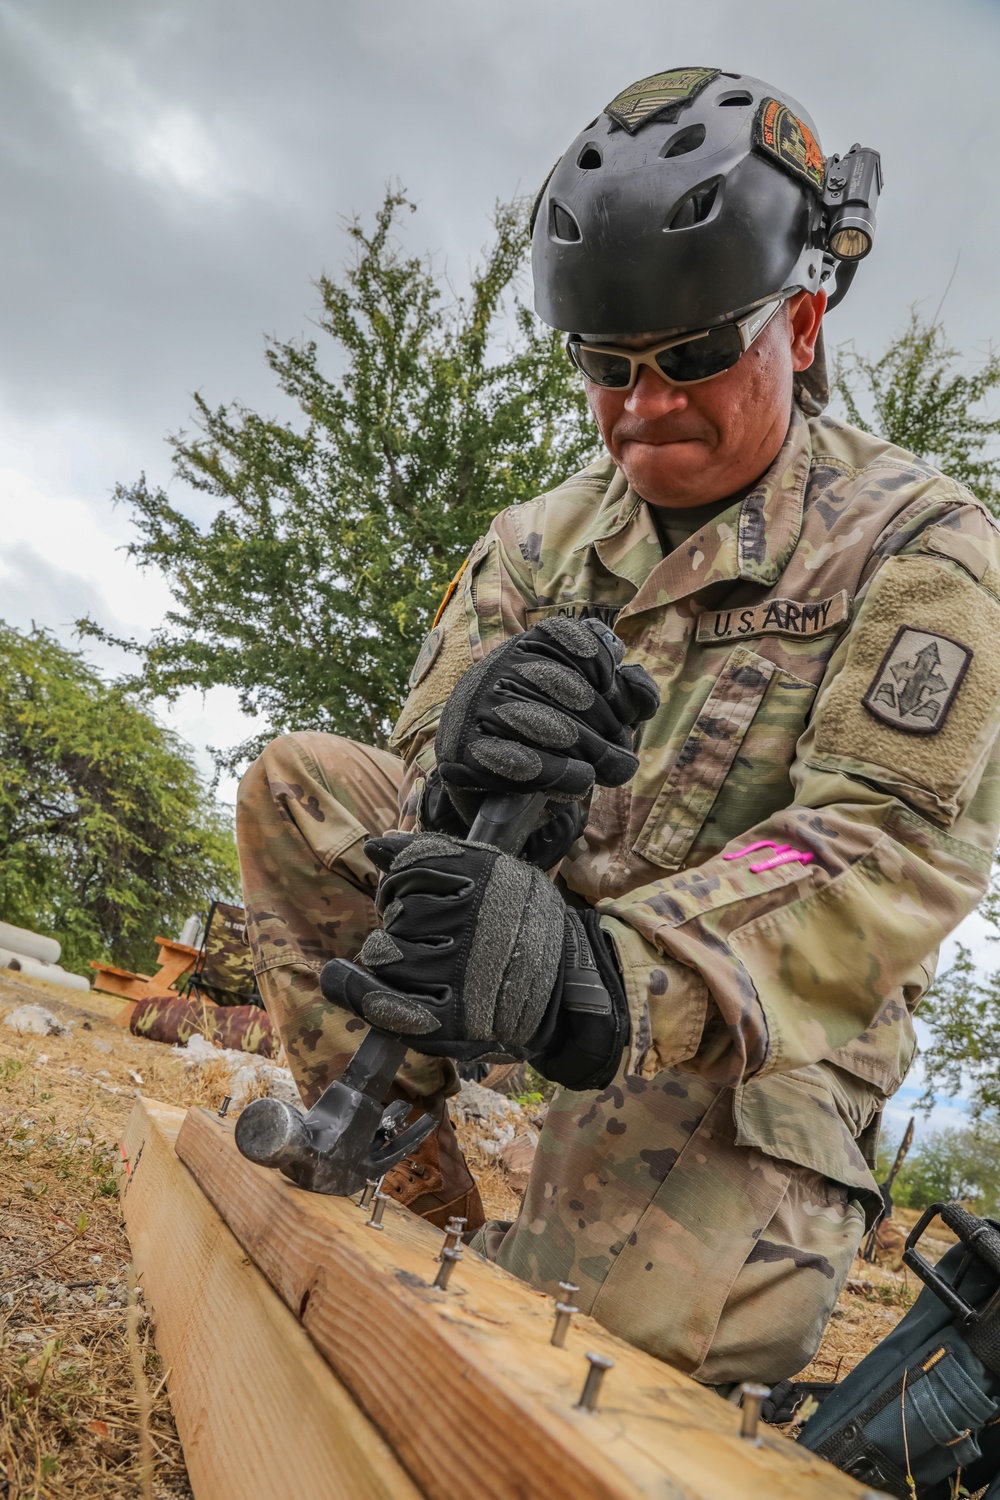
(851, 191)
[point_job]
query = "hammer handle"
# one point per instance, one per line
(506, 819)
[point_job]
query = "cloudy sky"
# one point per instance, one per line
(174, 174)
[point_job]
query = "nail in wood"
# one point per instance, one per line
(378, 1209)
(754, 1397)
(454, 1230)
(371, 1187)
(564, 1313)
(599, 1367)
(224, 1106)
(449, 1260)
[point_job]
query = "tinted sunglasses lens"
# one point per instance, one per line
(603, 369)
(715, 351)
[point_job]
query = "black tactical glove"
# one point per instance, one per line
(545, 847)
(551, 710)
(478, 955)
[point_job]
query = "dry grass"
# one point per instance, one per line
(78, 1369)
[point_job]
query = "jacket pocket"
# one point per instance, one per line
(704, 760)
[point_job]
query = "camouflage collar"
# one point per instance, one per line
(754, 540)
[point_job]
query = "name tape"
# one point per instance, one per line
(775, 617)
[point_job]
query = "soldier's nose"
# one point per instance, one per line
(652, 397)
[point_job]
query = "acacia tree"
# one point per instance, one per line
(108, 836)
(313, 583)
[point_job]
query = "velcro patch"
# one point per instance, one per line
(776, 617)
(641, 101)
(781, 135)
(426, 656)
(918, 681)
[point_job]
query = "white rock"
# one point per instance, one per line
(474, 1102)
(34, 1020)
(248, 1073)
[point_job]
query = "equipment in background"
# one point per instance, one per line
(35, 957)
(223, 970)
(923, 1409)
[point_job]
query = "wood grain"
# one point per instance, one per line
(464, 1384)
(259, 1412)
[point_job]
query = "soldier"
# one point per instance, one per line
(786, 753)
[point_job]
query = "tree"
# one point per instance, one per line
(913, 395)
(962, 1010)
(107, 834)
(957, 1162)
(314, 582)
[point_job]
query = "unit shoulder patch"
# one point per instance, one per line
(917, 681)
(789, 617)
(641, 101)
(781, 135)
(426, 656)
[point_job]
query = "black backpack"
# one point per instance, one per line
(925, 1404)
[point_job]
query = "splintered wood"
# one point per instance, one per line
(332, 1365)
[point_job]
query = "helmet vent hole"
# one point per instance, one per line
(738, 99)
(684, 141)
(564, 226)
(589, 159)
(697, 206)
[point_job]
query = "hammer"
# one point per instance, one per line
(350, 1137)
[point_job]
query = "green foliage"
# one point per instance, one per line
(107, 834)
(913, 395)
(962, 1009)
(332, 541)
(955, 1162)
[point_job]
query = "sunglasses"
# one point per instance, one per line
(686, 360)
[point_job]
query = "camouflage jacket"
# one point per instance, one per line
(828, 657)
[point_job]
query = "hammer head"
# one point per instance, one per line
(348, 1137)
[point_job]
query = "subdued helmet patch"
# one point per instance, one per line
(786, 138)
(650, 96)
(917, 681)
(426, 656)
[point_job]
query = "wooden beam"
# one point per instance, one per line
(464, 1383)
(260, 1414)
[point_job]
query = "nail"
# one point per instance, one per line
(449, 1260)
(378, 1209)
(564, 1313)
(368, 1192)
(454, 1230)
(599, 1367)
(754, 1397)
(224, 1106)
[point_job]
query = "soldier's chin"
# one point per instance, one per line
(666, 473)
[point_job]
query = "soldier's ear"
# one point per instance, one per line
(805, 316)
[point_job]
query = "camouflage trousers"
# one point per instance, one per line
(719, 1259)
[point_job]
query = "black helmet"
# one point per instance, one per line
(695, 196)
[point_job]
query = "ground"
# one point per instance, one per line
(83, 1406)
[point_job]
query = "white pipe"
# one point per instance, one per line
(31, 944)
(18, 963)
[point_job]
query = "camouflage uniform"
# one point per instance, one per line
(829, 684)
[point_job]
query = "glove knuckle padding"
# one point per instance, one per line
(541, 723)
(574, 636)
(392, 1011)
(507, 758)
(564, 686)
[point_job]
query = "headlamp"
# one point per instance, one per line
(853, 184)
